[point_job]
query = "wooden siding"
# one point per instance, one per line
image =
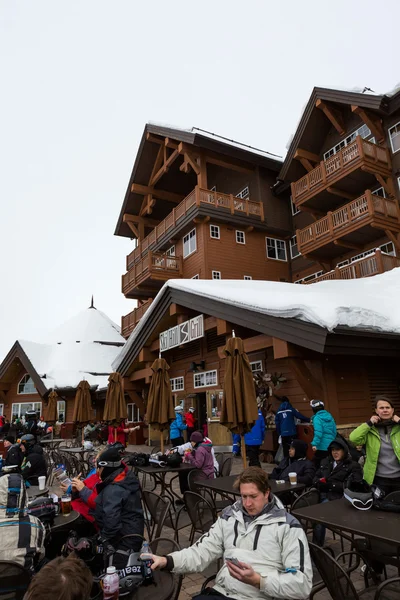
(12, 396)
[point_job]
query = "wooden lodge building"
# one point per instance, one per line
(83, 348)
(203, 207)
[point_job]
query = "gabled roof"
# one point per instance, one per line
(312, 316)
(381, 103)
(82, 348)
(199, 138)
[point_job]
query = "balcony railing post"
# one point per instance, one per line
(197, 192)
(262, 211)
(323, 171)
(379, 261)
(330, 222)
(232, 206)
(370, 202)
(360, 148)
(247, 207)
(338, 273)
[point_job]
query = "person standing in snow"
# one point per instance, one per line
(285, 421)
(324, 431)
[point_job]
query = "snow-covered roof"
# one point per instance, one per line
(84, 347)
(366, 304)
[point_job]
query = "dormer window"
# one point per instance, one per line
(26, 385)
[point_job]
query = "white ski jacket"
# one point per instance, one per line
(273, 543)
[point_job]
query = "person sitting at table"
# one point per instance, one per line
(331, 478)
(22, 539)
(188, 446)
(118, 511)
(33, 465)
(13, 455)
(269, 545)
(177, 428)
(67, 578)
(296, 462)
(381, 436)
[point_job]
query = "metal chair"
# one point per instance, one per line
(194, 477)
(219, 457)
(337, 579)
(159, 508)
(167, 585)
(201, 512)
(155, 503)
(226, 467)
(14, 580)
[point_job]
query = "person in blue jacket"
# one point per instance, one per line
(253, 440)
(236, 444)
(324, 431)
(177, 428)
(285, 421)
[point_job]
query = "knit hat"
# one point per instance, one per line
(110, 461)
(178, 408)
(10, 438)
(317, 404)
(300, 448)
(191, 409)
(196, 437)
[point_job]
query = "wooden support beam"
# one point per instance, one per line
(3, 397)
(350, 245)
(138, 219)
(147, 205)
(189, 157)
(249, 229)
(5, 386)
(341, 193)
(325, 265)
(202, 176)
(141, 374)
(165, 166)
(312, 211)
(150, 137)
(395, 239)
(134, 229)
(386, 183)
(333, 114)
(223, 327)
(146, 355)
(284, 349)
(202, 219)
(136, 399)
(372, 121)
(306, 164)
(171, 143)
(312, 388)
(176, 309)
(300, 153)
(143, 190)
(185, 167)
(229, 165)
(158, 163)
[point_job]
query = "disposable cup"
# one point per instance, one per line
(42, 482)
(293, 478)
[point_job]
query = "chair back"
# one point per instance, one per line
(201, 512)
(307, 499)
(393, 497)
(219, 457)
(159, 509)
(337, 581)
(226, 467)
(194, 477)
(14, 580)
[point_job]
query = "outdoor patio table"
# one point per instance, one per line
(34, 492)
(224, 485)
(60, 521)
(159, 475)
(53, 443)
(340, 515)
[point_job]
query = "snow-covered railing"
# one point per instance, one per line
(163, 265)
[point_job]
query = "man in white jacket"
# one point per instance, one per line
(264, 548)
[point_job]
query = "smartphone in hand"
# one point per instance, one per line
(235, 562)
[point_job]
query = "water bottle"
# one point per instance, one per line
(111, 584)
(145, 556)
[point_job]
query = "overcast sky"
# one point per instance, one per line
(79, 80)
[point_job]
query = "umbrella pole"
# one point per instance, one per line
(162, 441)
(243, 445)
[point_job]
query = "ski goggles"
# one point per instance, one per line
(359, 504)
(105, 463)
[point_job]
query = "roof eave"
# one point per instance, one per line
(18, 352)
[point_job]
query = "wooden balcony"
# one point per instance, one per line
(373, 264)
(145, 277)
(354, 166)
(223, 204)
(355, 223)
(129, 321)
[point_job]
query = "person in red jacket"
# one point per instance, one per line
(118, 433)
(190, 422)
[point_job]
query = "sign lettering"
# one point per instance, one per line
(182, 334)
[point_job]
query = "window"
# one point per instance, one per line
(388, 249)
(133, 413)
(310, 277)
(294, 251)
(256, 366)
(295, 210)
(61, 411)
(216, 275)
(213, 189)
(380, 192)
(195, 277)
(362, 131)
(1, 409)
(21, 408)
(343, 263)
(214, 232)
(247, 277)
(189, 243)
(244, 193)
(240, 237)
(276, 249)
(394, 134)
(177, 384)
(205, 379)
(170, 251)
(26, 385)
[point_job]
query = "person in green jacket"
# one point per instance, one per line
(381, 437)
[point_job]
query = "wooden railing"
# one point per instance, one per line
(196, 197)
(349, 217)
(129, 321)
(373, 264)
(330, 170)
(155, 265)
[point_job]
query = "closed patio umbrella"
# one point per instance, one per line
(239, 407)
(160, 406)
(50, 411)
(83, 404)
(115, 406)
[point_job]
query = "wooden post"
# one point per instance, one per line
(379, 261)
(231, 204)
(162, 442)
(243, 446)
